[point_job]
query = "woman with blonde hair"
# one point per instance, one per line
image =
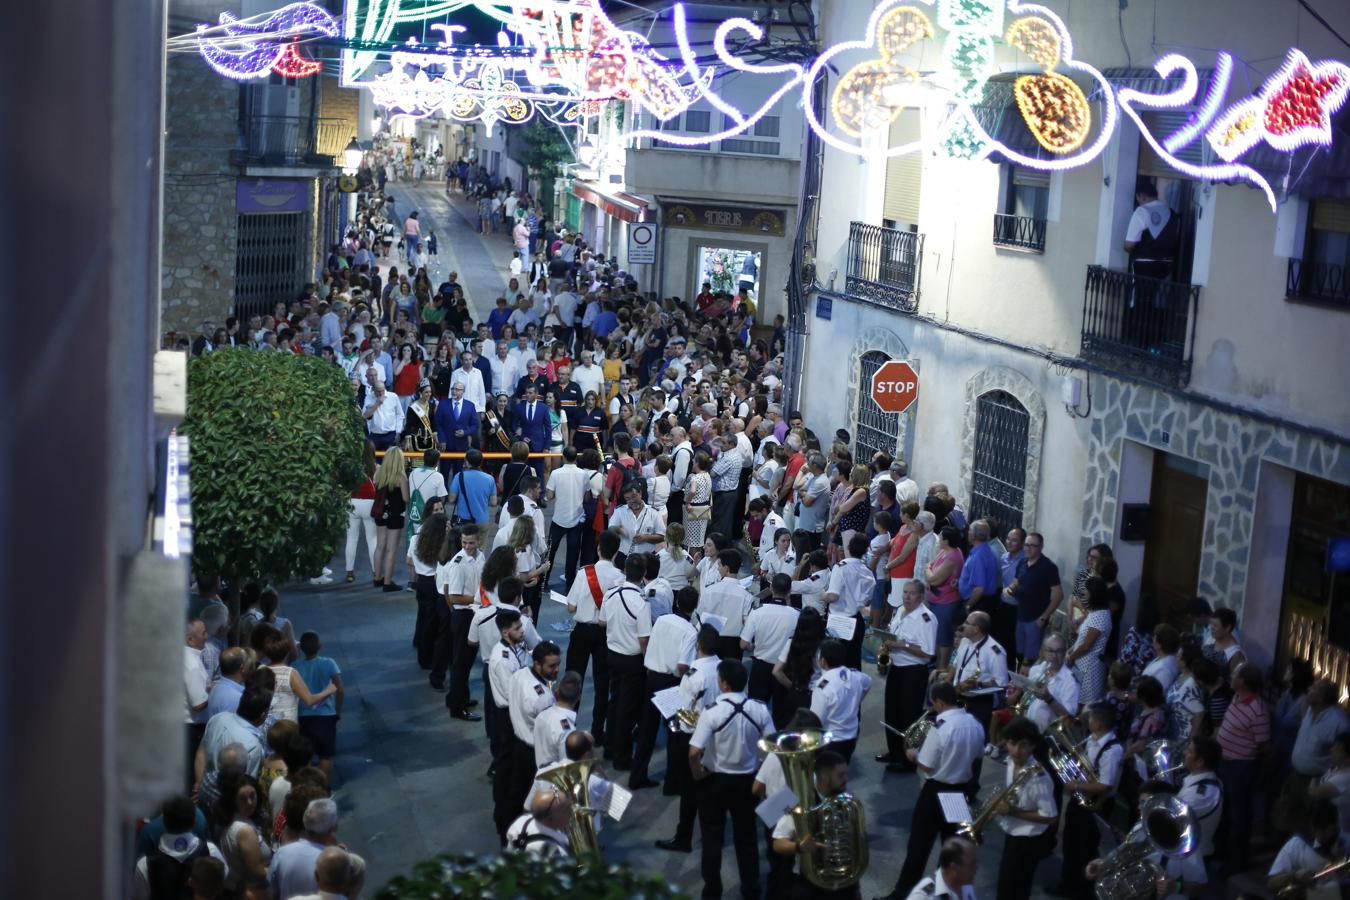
(853, 513)
(391, 503)
(676, 566)
(531, 565)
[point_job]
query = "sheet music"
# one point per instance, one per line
(841, 627)
(557, 597)
(1017, 679)
(750, 583)
(718, 622)
(619, 798)
(668, 702)
(954, 808)
(775, 806)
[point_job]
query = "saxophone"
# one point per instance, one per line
(974, 828)
(1028, 696)
(838, 823)
(573, 779)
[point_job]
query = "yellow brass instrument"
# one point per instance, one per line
(878, 641)
(1162, 761)
(1070, 763)
(688, 718)
(1166, 826)
(1299, 890)
(988, 809)
(837, 823)
(1029, 695)
(973, 682)
(917, 732)
(573, 780)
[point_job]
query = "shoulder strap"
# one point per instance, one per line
(593, 582)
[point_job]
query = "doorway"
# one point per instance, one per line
(1176, 530)
(727, 269)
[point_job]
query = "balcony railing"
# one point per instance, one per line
(1019, 232)
(883, 265)
(1143, 326)
(1325, 283)
(290, 140)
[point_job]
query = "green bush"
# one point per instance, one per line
(523, 876)
(276, 447)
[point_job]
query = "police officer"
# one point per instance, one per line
(698, 691)
(628, 623)
(947, 757)
(914, 631)
(505, 658)
(723, 757)
(766, 633)
(670, 650)
(955, 877)
(529, 694)
(850, 592)
(587, 641)
(836, 697)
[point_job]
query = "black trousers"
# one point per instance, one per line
(626, 690)
(853, 647)
(442, 641)
(738, 512)
(649, 722)
(730, 647)
(720, 796)
(782, 877)
(905, 690)
(557, 535)
(787, 701)
(844, 748)
(761, 681)
(675, 507)
(680, 782)
(927, 826)
(588, 643)
(1004, 627)
(1081, 840)
(1017, 869)
(457, 696)
(801, 889)
(497, 722)
(723, 513)
(511, 784)
(424, 631)
(982, 708)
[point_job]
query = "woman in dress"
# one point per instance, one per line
(242, 819)
(1093, 632)
(613, 368)
(855, 511)
(698, 502)
(767, 476)
(391, 484)
(418, 432)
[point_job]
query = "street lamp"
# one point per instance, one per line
(351, 157)
(586, 153)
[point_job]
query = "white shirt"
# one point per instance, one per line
(768, 630)
(527, 697)
(918, 628)
(549, 841)
(196, 681)
(682, 459)
(485, 634)
(551, 728)
(729, 599)
(1063, 687)
(906, 490)
(952, 746)
(461, 575)
(178, 846)
(505, 374)
(812, 590)
(709, 573)
(627, 618)
(506, 524)
(1163, 668)
(388, 414)
(772, 522)
(771, 775)
(1153, 215)
(660, 597)
(836, 697)
(771, 564)
(1203, 793)
(670, 645)
(472, 380)
(1038, 796)
(568, 486)
(658, 493)
(852, 582)
(582, 602)
(504, 661)
(1297, 855)
(728, 733)
(935, 888)
(1106, 754)
(992, 662)
(676, 572)
(589, 378)
(631, 524)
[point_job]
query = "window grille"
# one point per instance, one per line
(998, 485)
(875, 430)
(267, 266)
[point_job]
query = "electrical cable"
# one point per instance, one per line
(1323, 22)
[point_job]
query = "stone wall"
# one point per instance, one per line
(200, 225)
(336, 102)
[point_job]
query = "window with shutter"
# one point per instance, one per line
(904, 174)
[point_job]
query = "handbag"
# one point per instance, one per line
(700, 513)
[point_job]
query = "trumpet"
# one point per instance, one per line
(1297, 890)
(1070, 763)
(988, 809)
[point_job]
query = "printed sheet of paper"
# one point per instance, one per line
(841, 627)
(619, 798)
(668, 702)
(557, 597)
(775, 806)
(954, 808)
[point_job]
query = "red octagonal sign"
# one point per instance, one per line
(895, 386)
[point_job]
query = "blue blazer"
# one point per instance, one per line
(537, 432)
(447, 425)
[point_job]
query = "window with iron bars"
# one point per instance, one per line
(875, 430)
(998, 485)
(268, 265)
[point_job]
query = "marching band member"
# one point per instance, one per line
(587, 641)
(1304, 854)
(458, 583)
(1027, 819)
(837, 696)
(660, 594)
(553, 725)
(670, 650)
(761, 510)
(914, 629)
(779, 557)
(543, 830)
(723, 757)
(979, 662)
(850, 592)
(1081, 835)
(811, 580)
(1202, 791)
(955, 877)
(628, 623)
(728, 599)
(766, 634)
(483, 632)
(948, 758)
(506, 657)
(830, 771)
(770, 780)
(529, 694)
(1053, 684)
(698, 691)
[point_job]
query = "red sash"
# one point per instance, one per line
(594, 581)
(483, 597)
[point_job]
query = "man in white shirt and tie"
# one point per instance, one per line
(587, 643)
(836, 697)
(567, 492)
(628, 623)
(669, 653)
(766, 633)
(850, 592)
(729, 601)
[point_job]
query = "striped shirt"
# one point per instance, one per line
(1246, 724)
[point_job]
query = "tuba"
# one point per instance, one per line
(573, 780)
(877, 640)
(1161, 761)
(838, 823)
(1166, 826)
(1297, 891)
(973, 829)
(1070, 763)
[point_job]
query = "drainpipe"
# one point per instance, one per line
(801, 272)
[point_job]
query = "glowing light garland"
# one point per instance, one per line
(1292, 109)
(268, 45)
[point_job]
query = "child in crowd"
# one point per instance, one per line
(319, 723)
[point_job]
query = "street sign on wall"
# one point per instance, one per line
(642, 243)
(895, 386)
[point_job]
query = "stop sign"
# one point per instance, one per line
(895, 386)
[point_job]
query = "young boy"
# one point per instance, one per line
(319, 723)
(1027, 819)
(1081, 835)
(878, 552)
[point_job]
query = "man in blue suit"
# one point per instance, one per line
(534, 426)
(456, 427)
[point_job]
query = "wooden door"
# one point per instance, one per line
(1176, 530)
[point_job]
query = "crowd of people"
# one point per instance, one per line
(717, 547)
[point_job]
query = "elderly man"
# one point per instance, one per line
(292, 872)
(543, 830)
(244, 727)
(1311, 756)
(726, 478)
(813, 505)
(979, 582)
(746, 452)
(505, 374)
(337, 874)
(384, 417)
(1052, 684)
(456, 426)
(197, 683)
(227, 690)
(1036, 589)
(587, 375)
(912, 645)
(681, 467)
(216, 619)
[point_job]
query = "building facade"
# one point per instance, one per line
(1207, 444)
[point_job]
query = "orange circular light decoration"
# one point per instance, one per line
(1055, 109)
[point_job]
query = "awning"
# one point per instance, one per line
(618, 204)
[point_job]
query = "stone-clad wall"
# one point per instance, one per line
(200, 225)
(1231, 445)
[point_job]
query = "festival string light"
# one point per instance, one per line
(1293, 109)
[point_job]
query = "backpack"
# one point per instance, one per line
(168, 876)
(632, 477)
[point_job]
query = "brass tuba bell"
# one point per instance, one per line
(1167, 826)
(573, 780)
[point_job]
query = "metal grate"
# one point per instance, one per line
(1319, 283)
(876, 430)
(268, 265)
(884, 265)
(1140, 325)
(1021, 232)
(998, 486)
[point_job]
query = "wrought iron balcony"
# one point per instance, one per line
(290, 140)
(1142, 326)
(1019, 232)
(884, 265)
(1325, 283)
